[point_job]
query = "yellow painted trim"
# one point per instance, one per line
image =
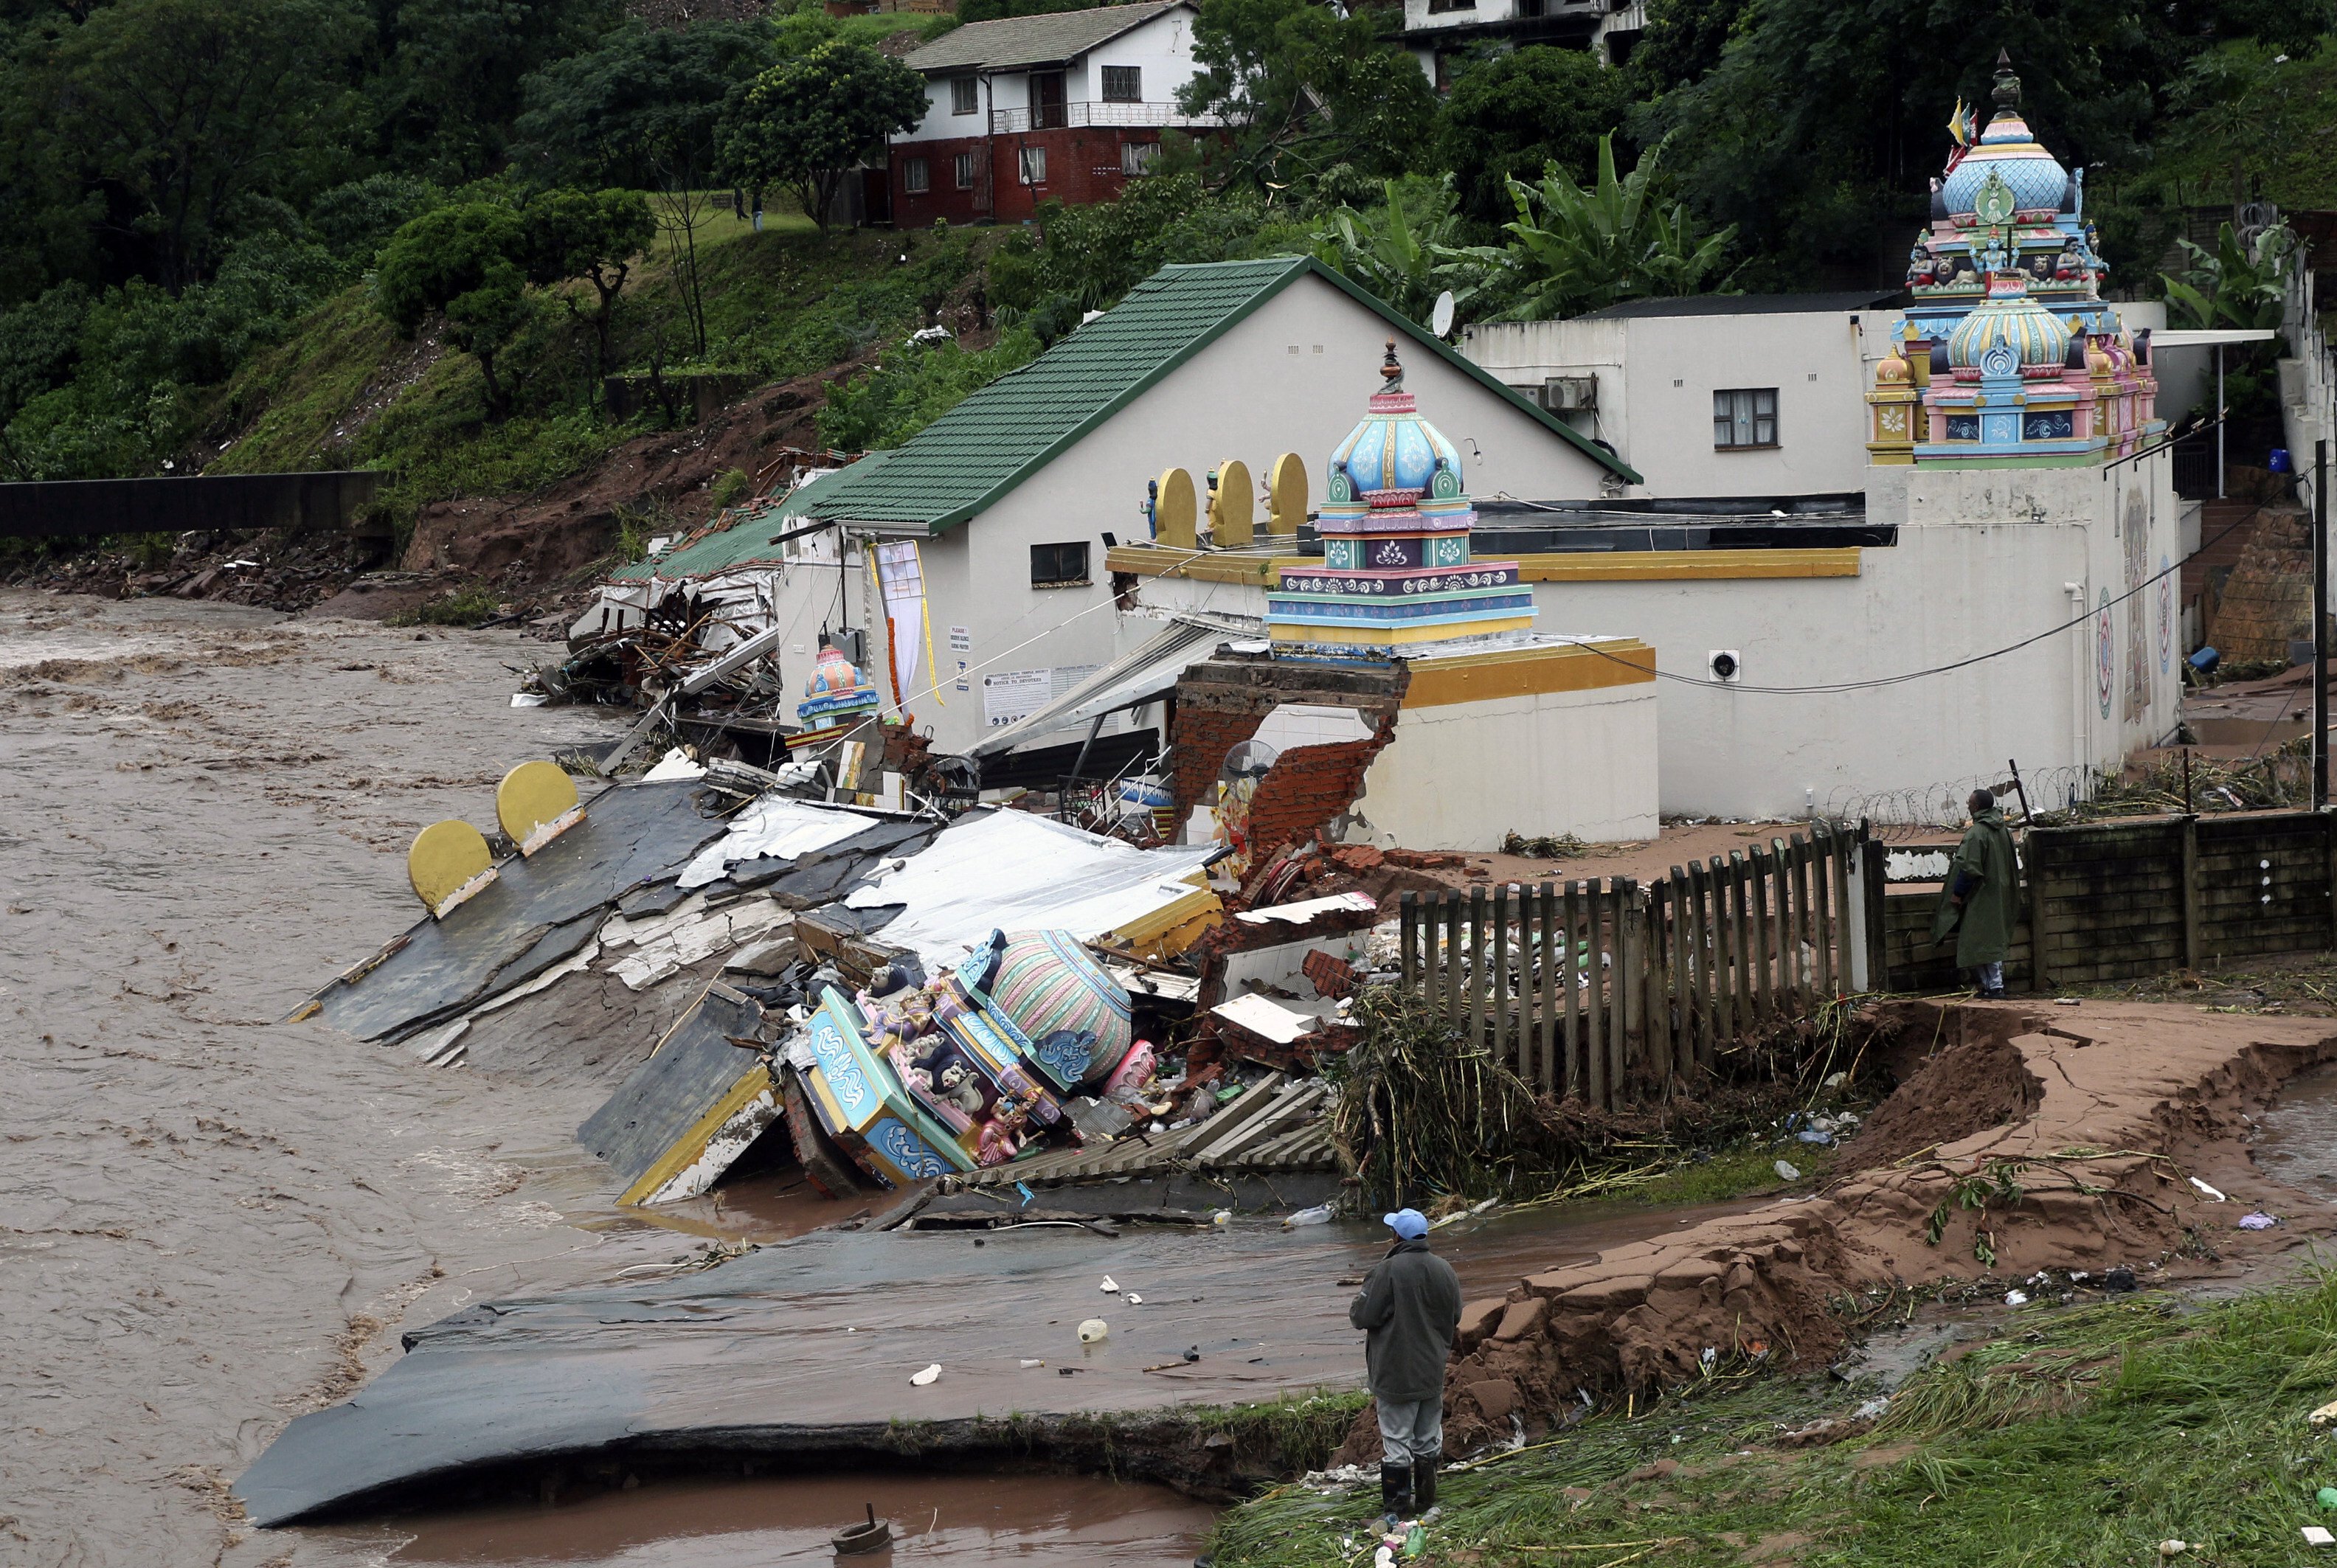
(1618, 566)
(1172, 927)
(686, 1149)
(1529, 672)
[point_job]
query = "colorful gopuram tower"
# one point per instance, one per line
(1396, 571)
(2007, 356)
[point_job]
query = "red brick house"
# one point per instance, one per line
(1068, 106)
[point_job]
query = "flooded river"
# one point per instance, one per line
(212, 1222)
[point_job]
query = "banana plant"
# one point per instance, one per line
(1579, 249)
(1408, 262)
(2238, 285)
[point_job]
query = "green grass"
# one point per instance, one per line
(464, 606)
(2076, 1438)
(345, 391)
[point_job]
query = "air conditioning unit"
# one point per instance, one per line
(1569, 394)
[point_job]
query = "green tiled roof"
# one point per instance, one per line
(1001, 435)
(748, 534)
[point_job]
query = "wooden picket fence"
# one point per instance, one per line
(1607, 992)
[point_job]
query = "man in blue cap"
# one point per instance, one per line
(1410, 1308)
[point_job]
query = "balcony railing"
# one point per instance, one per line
(1076, 116)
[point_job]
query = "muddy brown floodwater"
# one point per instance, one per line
(210, 1223)
(965, 1520)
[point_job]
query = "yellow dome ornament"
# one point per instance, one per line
(535, 804)
(448, 863)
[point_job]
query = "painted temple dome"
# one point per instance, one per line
(2012, 152)
(1394, 453)
(835, 687)
(2035, 334)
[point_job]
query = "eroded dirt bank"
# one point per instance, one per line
(209, 1223)
(2023, 1138)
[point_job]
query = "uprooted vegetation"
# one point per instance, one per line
(1428, 1119)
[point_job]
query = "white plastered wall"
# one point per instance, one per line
(1981, 561)
(1462, 775)
(1656, 375)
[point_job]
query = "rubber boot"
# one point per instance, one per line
(1395, 1491)
(1423, 1482)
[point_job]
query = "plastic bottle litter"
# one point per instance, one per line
(1092, 1330)
(1786, 1173)
(1222, 1217)
(2173, 1548)
(926, 1378)
(1320, 1215)
(1110, 1284)
(1029, 1362)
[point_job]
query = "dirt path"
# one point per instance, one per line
(209, 1222)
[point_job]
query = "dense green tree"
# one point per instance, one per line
(1507, 117)
(2253, 123)
(448, 86)
(805, 123)
(183, 109)
(644, 110)
(1302, 87)
(589, 237)
(468, 264)
(1579, 249)
(353, 220)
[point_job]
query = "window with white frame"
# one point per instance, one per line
(915, 178)
(1031, 164)
(1123, 84)
(1744, 416)
(1139, 157)
(964, 161)
(963, 96)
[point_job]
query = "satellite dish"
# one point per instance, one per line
(1440, 320)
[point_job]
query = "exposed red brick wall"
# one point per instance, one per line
(1307, 786)
(1221, 703)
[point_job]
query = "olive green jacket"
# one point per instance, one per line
(1989, 875)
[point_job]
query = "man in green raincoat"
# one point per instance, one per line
(1981, 901)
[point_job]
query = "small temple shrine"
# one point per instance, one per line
(2007, 356)
(1430, 658)
(1394, 524)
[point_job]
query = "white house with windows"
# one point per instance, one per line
(1442, 34)
(1720, 394)
(1022, 109)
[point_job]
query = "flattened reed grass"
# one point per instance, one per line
(2075, 1437)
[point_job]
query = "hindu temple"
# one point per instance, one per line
(1394, 524)
(2007, 356)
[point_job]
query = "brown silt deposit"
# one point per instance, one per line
(2028, 1138)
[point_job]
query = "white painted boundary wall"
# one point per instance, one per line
(1982, 561)
(1461, 775)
